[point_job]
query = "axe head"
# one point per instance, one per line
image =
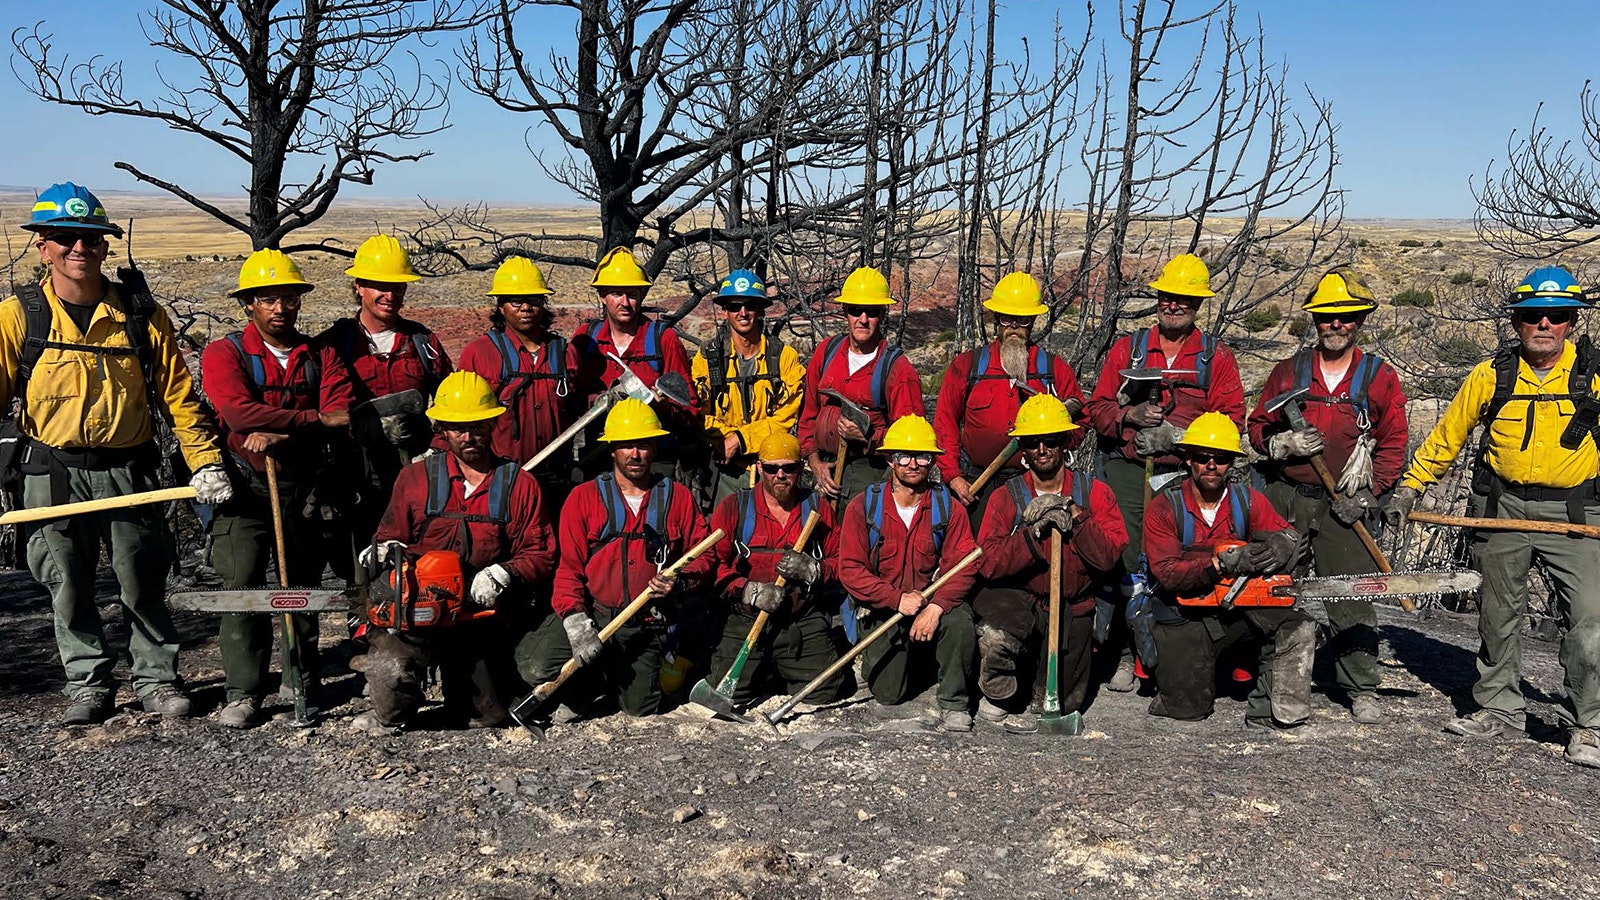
(674, 388)
(1151, 373)
(630, 383)
(403, 403)
(705, 695)
(1165, 480)
(1286, 398)
(851, 411)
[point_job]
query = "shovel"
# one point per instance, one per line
(720, 699)
(291, 644)
(1051, 721)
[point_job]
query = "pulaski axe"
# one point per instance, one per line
(669, 386)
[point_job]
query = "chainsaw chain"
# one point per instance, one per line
(1425, 595)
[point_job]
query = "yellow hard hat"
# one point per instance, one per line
(464, 397)
(1016, 294)
(865, 287)
(632, 420)
(1212, 431)
(518, 277)
(1341, 291)
(269, 268)
(1185, 275)
(781, 445)
(911, 434)
(618, 268)
(381, 258)
(1042, 414)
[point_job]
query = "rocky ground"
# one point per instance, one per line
(857, 800)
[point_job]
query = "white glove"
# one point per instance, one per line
(582, 637)
(487, 585)
(211, 485)
(1294, 443)
(1357, 474)
(379, 554)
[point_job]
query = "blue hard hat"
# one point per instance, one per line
(743, 283)
(68, 205)
(1548, 287)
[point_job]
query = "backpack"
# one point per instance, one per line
(938, 509)
(617, 513)
(1360, 383)
(652, 343)
(439, 487)
(1022, 495)
(36, 317)
(346, 347)
(1238, 508)
(880, 368)
(1506, 365)
(511, 370)
(1208, 349)
(258, 370)
(1039, 368)
(745, 527)
(717, 357)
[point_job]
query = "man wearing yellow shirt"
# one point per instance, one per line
(1536, 464)
(102, 365)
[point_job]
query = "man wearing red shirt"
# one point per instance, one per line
(1357, 414)
(281, 394)
(488, 512)
(897, 534)
(865, 369)
(1184, 525)
(762, 523)
(983, 389)
(1012, 606)
(615, 535)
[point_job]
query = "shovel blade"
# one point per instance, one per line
(1069, 725)
(703, 694)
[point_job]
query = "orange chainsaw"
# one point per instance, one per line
(425, 591)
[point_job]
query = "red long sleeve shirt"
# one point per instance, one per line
(975, 424)
(1386, 407)
(524, 545)
(244, 409)
(1190, 571)
(907, 558)
(1012, 558)
(768, 539)
(600, 371)
(613, 573)
(401, 369)
(819, 415)
(1224, 393)
(536, 412)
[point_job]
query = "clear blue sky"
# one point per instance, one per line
(1425, 94)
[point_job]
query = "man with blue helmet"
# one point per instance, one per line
(1535, 463)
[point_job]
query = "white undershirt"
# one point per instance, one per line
(634, 503)
(859, 361)
(1210, 515)
(1331, 377)
(280, 354)
(382, 342)
(907, 513)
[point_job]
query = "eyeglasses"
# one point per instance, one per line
(1203, 458)
(1046, 441)
(1177, 300)
(1014, 321)
(283, 301)
(780, 468)
(523, 301)
(1556, 316)
(734, 306)
(871, 312)
(68, 239)
(906, 459)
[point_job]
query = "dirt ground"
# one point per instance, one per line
(857, 800)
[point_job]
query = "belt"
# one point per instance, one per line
(1538, 492)
(98, 458)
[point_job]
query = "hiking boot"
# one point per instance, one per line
(1268, 723)
(88, 709)
(368, 723)
(1583, 748)
(242, 713)
(1482, 724)
(955, 720)
(991, 713)
(168, 701)
(1364, 709)
(1124, 680)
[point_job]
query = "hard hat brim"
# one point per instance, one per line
(1548, 302)
(305, 287)
(609, 438)
(620, 282)
(1036, 431)
(1200, 445)
(856, 301)
(1004, 309)
(901, 449)
(1180, 290)
(445, 416)
(1341, 307)
(382, 278)
(73, 225)
(520, 293)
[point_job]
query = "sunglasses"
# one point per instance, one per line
(1556, 316)
(906, 459)
(871, 312)
(1332, 318)
(1203, 458)
(282, 301)
(734, 306)
(1046, 441)
(1014, 321)
(68, 239)
(780, 468)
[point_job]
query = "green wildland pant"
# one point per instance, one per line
(794, 647)
(896, 666)
(628, 670)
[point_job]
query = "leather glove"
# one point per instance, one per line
(1352, 509)
(1294, 443)
(1235, 561)
(1357, 472)
(488, 584)
(1158, 440)
(1045, 512)
(583, 637)
(380, 553)
(398, 429)
(763, 595)
(1273, 553)
(211, 484)
(799, 568)
(1398, 505)
(1058, 519)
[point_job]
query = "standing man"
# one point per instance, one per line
(93, 365)
(896, 535)
(1185, 524)
(875, 377)
(616, 533)
(1139, 421)
(487, 512)
(984, 388)
(281, 395)
(1357, 417)
(750, 382)
(533, 370)
(1537, 462)
(762, 524)
(1012, 605)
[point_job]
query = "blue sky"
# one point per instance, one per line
(1425, 94)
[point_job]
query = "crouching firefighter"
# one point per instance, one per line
(459, 551)
(281, 395)
(615, 534)
(1199, 534)
(762, 525)
(1011, 606)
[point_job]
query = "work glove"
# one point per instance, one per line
(1235, 561)
(1398, 505)
(211, 484)
(1357, 474)
(1157, 440)
(488, 584)
(380, 553)
(1273, 553)
(1352, 509)
(398, 429)
(583, 637)
(1045, 512)
(799, 568)
(763, 595)
(1294, 443)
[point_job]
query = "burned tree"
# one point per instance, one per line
(1545, 198)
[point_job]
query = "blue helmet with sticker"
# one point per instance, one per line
(1548, 287)
(70, 206)
(743, 283)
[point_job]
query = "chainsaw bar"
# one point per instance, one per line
(265, 600)
(1393, 584)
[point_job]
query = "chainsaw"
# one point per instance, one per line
(267, 600)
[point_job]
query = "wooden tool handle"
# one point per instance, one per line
(965, 561)
(277, 519)
(993, 467)
(1055, 593)
(799, 546)
(561, 439)
(99, 504)
(1373, 550)
(1589, 531)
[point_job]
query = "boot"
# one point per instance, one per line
(167, 700)
(1482, 724)
(1364, 709)
(991, 713)
(1583, 748)
(89, 708)
(1124, 680)
(242, 713)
